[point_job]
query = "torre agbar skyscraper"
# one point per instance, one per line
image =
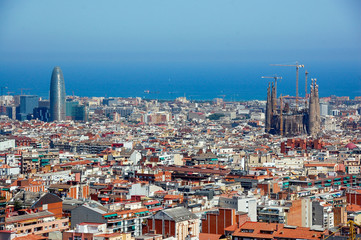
(57, 95)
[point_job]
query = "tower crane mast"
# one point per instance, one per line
(298, 66)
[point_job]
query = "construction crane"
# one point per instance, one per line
(298, 66)
(352, 231)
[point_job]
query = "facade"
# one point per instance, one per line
(75, 111)
(3, 203)
(272, 214)
(322, 214)
(27, 105)
(42, 113)
(85, 231)
(126, 221)
(57, 96)
(6, 144)
(215, 222)
(36, 223)
(158, 117)
(241, 204)
(174, 222)
(74, 191)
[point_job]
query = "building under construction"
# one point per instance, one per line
(281, 120)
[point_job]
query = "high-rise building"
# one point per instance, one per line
(75, 111)
(26, 107)
(42, 114)
(57, 95)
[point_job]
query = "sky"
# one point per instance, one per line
(102, 46)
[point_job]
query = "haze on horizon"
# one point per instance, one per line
(161, 40)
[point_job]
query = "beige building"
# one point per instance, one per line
(289, 163)
(36, 223)
(257, 160)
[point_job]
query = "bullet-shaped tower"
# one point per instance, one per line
(57, 95)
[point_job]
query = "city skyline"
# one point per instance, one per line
(180, 120)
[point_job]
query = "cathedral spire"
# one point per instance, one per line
(314, 110)
(268, 110)
(274, 99)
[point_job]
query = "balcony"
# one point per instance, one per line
(44, 227)
(269, 212)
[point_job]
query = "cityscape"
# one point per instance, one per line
(88, 155)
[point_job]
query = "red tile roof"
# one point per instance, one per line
(353, 208)
(275, 230)
(208, 236)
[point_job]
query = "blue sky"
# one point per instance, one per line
(198, 32)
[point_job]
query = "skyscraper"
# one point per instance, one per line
(26, 107)
(57, 95)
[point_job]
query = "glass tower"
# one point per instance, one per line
(57, 96)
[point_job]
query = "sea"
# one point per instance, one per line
(232, 81)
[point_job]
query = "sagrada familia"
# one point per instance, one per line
(282, 121)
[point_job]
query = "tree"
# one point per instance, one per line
(18, 205)
(215, 116)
